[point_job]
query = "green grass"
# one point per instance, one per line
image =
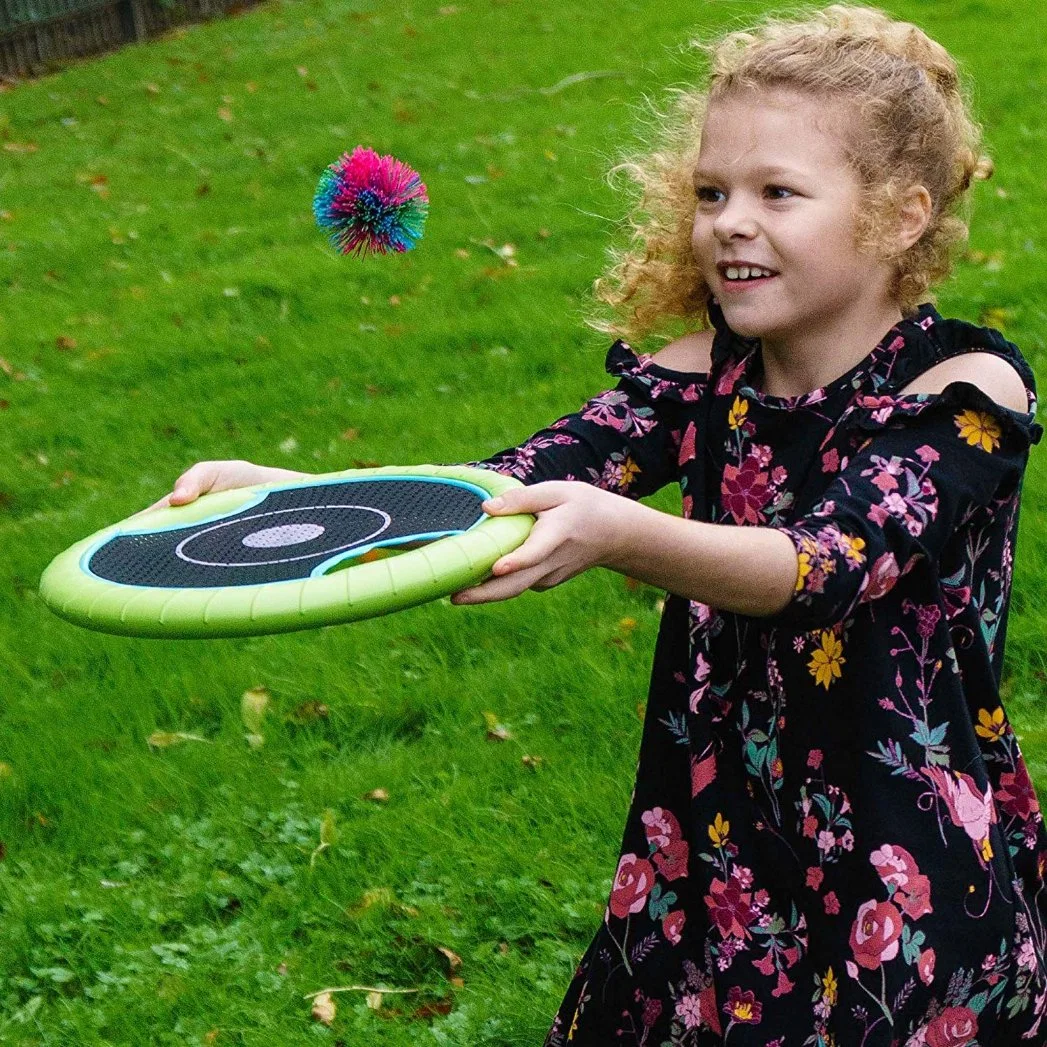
(165, 298)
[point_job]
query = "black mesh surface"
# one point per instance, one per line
(288, 534)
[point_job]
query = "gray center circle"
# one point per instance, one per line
(280, 537)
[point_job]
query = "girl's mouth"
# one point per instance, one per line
(732, 281)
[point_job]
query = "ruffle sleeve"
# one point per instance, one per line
(923, 466)
(623, 440)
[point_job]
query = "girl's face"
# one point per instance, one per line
(774, 190)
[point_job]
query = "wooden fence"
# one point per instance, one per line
(38, 36)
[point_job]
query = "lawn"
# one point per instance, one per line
(165, 298)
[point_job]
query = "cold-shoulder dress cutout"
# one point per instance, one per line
(833, 837)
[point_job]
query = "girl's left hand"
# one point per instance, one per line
(579, 526)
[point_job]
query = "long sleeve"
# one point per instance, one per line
(924, 467)
(625, 440)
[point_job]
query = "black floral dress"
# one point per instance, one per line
(833, 838)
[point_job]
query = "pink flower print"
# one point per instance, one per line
(878, 514)
(743, 875)
(672, 926)
(875, 934)
(730, 908)
(744, 491)
(894, 503)
(1027, 955)
(687, 449)
(743, 1007)
(847, 840)
(895, 865)
(671, 861)
(881, 577)
(826, 841)
(885, 482)
(661, 826)
(954, 1027)
(927, 619)
(810, 826)
(765, 965)
(652, 1011)
(927, 454)
(925, 966)
(832, 903)
(762, 454)
(689, 1008)
(969, 809)
(1016, 793)
(814, 877)
(831, 461)
(814, 759)
(730, 376)
(632, 884)
(703, 773)
(688, 506)
(784, 985)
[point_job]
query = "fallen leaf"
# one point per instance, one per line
(254, 704)
(496, 732)
(374, 1001)
(65, 342)
(641, 711)
(433, 1010)
(377, 796)
(324, 1009)
(152, 89)
(165, 739)
(454, 961)
(226, 114)
(461, 252)
(21, 147)
(350, 434)
(458, 983)
(534, 762)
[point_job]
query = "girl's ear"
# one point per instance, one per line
(914, 214)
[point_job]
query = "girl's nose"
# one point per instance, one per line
(734, 221)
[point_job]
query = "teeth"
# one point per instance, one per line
(745, 272)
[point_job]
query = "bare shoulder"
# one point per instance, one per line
(993, 375)
(690, 354)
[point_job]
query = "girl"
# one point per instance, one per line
(833, 838)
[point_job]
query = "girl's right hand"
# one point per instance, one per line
(207, 477)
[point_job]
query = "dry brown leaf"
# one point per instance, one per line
(377, 796)
(309, 711)
(454, 961)
(374, 1001)
(324, 1009)
(533, 762)
(458, 983)
(253, 706)
(226, 114)
(65, 342)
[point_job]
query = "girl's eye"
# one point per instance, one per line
(779, 192)
(707, 194)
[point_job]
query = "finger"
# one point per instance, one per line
(500, 588)
(541, 544)
(195, 481)
(534, 499)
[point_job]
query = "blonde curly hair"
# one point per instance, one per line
(914, 128)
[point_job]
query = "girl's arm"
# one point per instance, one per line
(922, 467)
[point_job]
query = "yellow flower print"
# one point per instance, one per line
(736, 416)
(829, 988)
(990, 725)
(852, 547)
(986, 849)
(979, 429)
(630, 471)
(804, 571)
(825, 663)
(718, 830)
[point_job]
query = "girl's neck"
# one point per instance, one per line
(796, 367)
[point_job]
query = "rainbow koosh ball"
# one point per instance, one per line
(371, 204)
